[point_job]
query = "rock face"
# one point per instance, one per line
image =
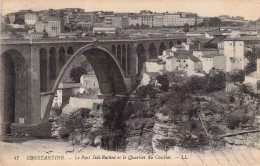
(250, 139)
(164, 128)
(92, 122)
(139, 135)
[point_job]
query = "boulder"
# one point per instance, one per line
(238, 142)
(97, 141)
(257, 145)
(86, 141)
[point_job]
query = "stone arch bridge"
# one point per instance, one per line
(31, 70)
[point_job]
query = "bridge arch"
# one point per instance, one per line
(15, 90)
(62, 57)
(170, 44)
(141, 58)
(178, 42)
(113, 49)
(128, 63)
(118, 53)
(43, 70)
(124, 51)
(162, 48)
(53, 63)
(152, 51)
(70, 51)
(109, 74)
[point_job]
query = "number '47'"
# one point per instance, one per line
(16, 157)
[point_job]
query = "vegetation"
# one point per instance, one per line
(186, 28)
(165, 144)
(145, 91)
(252, 57)
(237, 118)
(164, 81)
(113, 132)
(212, 21)
(76, 73)
(74, 125)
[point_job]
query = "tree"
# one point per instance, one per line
(7, 20)
(166, 144)
(186, 28)
(212, 21)
(163, 80)
(45, 34)
(76, 73)
(252, 57)
(143, 91)
(137, 26)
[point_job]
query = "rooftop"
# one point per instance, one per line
(209, 55)
(153, 74)
(206, 49)
(69, 85)
(253, 74)
(182, 56)
(245, 38)
(154, 60)
(194, 59)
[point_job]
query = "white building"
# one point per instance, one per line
(134, 19)
(154, 65)
(233, 50)
(210, 58)
(253, 79)
(55, 26)
(89, 81)
(105, 30)
(63, 93)
(30, 18)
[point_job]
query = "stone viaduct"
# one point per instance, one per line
(31, 70)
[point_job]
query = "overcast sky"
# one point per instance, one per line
(249, 9)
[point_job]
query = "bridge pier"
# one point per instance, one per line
(134, 66)
(34, 87)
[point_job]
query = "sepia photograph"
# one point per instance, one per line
(130, 82)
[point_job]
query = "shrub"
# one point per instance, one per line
(233, 121)
(231, 99)
(164, 81)
(166, 144)
(76, 73)
(64, 133)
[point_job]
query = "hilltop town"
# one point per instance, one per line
(133, 82)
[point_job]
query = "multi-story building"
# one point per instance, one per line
(55, 26)
(200, 20)
(134, 19)
(210, 58)
(233, 50)
(11, 17)
(147, 18)
(116, 21)
(86, 17)
(89, 81)
(179, 19)
(30, 18)
(104, 30)
(158, 20)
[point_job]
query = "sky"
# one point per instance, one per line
(249, 9)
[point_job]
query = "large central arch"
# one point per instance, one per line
(109, 74)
